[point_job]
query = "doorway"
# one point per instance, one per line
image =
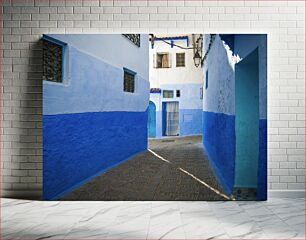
(170, 119)
(152, 120)
(247, 121)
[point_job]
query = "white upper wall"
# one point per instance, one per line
(221, 72)
(189, 74)
(219, 96)
(114, 49)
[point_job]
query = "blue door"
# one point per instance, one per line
(152, 120)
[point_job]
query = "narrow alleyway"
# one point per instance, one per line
(173, 169)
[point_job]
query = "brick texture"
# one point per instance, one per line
(24, 22)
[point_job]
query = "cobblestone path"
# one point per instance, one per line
(147, 177)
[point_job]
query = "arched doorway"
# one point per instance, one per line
(152, 120)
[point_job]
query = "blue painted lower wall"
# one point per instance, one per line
(159, 124)
(262, 161)
(79, 146)
(219, 143)
(151, 120)
(190, 122)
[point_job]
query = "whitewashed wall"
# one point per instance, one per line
(190, 74)
(24, 21)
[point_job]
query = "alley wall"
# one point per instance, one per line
(236, 68)
(24, 22)
(90, 124)
(219, 110)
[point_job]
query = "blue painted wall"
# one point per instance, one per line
(159, 124)
(190, 122)
(230, 40)
(190, 108)
(247, 121)
(219, 144)
(152, 120)
(80, 146)
(219, 114)
(89, 123)
(164, 118)
(262, 161)
(244, 45)
(219, 111)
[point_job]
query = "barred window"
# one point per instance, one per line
(129, 81)
(180, 59)
(134, 38)
(52, 61)
(206, 82)
(167, 94)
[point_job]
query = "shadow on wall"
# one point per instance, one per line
(30, 124)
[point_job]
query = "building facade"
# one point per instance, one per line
(235, 112)
(175, 107)
(95, 100)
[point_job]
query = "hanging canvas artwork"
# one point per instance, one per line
(155, 117)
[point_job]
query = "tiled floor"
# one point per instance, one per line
(274, 219)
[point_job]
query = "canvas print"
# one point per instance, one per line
(154, 117)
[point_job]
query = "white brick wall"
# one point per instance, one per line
(25, 20)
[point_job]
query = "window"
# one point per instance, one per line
(206, 83)
(180, 59)
(178, 93)
(129, 81)
(201, 93)
(52, 61)
(162, 60)
(167, 94)
(134, 38)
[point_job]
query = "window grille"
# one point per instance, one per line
(206, 78)
(52, 62)
(129, 81)
(134, 38)
(167, 94)
(180, 59)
